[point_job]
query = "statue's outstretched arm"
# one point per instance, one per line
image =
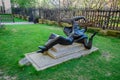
(73, 19)
(78, 18)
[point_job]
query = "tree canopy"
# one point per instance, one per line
(94, 4)
(23, 3)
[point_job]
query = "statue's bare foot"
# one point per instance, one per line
(40, 51)
(41, 47)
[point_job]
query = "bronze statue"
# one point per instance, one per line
(74, 34)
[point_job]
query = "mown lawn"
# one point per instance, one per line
(17, 40)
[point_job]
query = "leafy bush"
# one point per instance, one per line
(41, 21)
(92, 29)
(65, 24)
(113, 33)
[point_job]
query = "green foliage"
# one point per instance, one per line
(113, 33)
(65, 24)
(17, 40)
(24, 3)
(19, 20)
(104, 32)
(92, 29)
(41, 21)
(6, 17)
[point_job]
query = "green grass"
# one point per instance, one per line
(19, 20)
(17, 40)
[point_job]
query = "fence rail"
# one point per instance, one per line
(105, 19)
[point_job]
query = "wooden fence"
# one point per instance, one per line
(105, 19)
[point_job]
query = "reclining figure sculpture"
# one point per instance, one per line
(74, 34)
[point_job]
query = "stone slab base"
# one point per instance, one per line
(41, 61)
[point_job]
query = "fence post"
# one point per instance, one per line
(108, 19)
(118, 21)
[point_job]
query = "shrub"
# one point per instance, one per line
(40, 21)
(113, 33)
(65, 24)
(52, 22)
(23, 17)
(92, 29)
(27, 18)
(103, 32)
(55, 23)
(47, 22)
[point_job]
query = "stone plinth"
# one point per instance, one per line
(57, 55)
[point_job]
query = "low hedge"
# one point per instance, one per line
(113, 33)
(48, 22)
(104, 32)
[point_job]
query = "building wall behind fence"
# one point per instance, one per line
(7, 6)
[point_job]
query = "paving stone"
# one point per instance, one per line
(1, 78)
(14, 78)
(16, 23)
(24, 61)
(41, 61)
(1, 73)
(6, 77)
